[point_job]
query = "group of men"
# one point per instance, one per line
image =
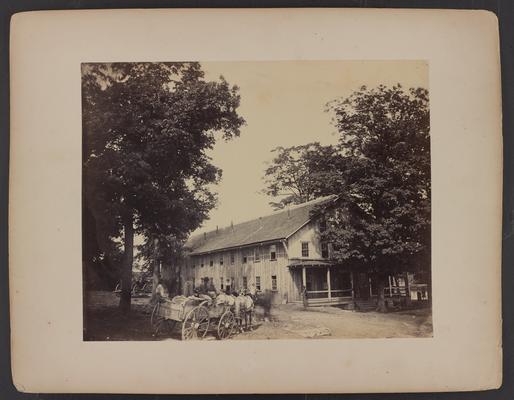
(207, 291)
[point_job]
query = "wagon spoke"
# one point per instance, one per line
(226, 325)
(196, 324)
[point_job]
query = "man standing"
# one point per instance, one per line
(304, 297)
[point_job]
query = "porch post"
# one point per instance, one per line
(370, 288)
(328, 284)
(390, 287)
(304, 278)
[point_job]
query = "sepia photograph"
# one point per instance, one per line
(322, 195)
(256, 200)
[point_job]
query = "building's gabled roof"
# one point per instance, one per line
(277, 226)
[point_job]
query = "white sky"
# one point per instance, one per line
(283, 104)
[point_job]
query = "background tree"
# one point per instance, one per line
(147, 127)
(161, 250)
(297, 173)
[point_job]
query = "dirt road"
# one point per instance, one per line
(292, 321)
(288, 321)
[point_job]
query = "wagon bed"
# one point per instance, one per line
(196, 315)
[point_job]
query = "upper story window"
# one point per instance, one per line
(221, 259)
(257, 254)
(324, 250)
(273, 252)
(232, 258)
(201, 262)
(258, 282)
(245, 282)
(305, 249)
(211, 262)
(247, 256)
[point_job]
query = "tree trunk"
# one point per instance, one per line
(407, 290)
(381, 284)
(155, 271)
(126, 269)
(180, 289)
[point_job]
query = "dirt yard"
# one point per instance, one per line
(288, 321)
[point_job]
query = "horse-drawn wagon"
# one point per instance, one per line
(197, 316)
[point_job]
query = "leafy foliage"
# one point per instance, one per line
(380, 171)
(297, 173)
(147, 127)
(385, 158)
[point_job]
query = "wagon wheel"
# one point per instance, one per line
(164, 326)
(226, 325)
(156, 319)
(196, 324)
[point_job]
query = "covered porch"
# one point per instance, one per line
(326, 283)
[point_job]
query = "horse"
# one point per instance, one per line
(225, 299)
(243, 307)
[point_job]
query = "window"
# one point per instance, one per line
(221, 283)
(248, 256)
(305, 249)
(258, 282)
(221, 259)
(324, 250)
(232, 258)
(211, 262)
(273, 252)
(322, 225)
(274, 283)
(245, 282)
(257, 255)
(201, 262)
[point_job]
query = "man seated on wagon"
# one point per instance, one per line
(161, 292)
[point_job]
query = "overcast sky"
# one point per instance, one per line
(283, 104)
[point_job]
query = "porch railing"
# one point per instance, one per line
(323, 294)
(393, 291)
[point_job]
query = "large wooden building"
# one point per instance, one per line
(281, 253)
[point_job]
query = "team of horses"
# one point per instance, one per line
(243, 305)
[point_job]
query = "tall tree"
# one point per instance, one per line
(380, 172)
(147, 127)
(384, 222)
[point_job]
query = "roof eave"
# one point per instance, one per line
(194, 253)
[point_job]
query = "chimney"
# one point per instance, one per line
(232, 225)
(217, 230)
(205, 236)
(288, 213)
(260, 222)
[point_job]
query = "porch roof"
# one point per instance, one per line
(299, 263)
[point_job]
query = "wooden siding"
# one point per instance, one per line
(288, 286)
(289, 282)
(307, 234)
